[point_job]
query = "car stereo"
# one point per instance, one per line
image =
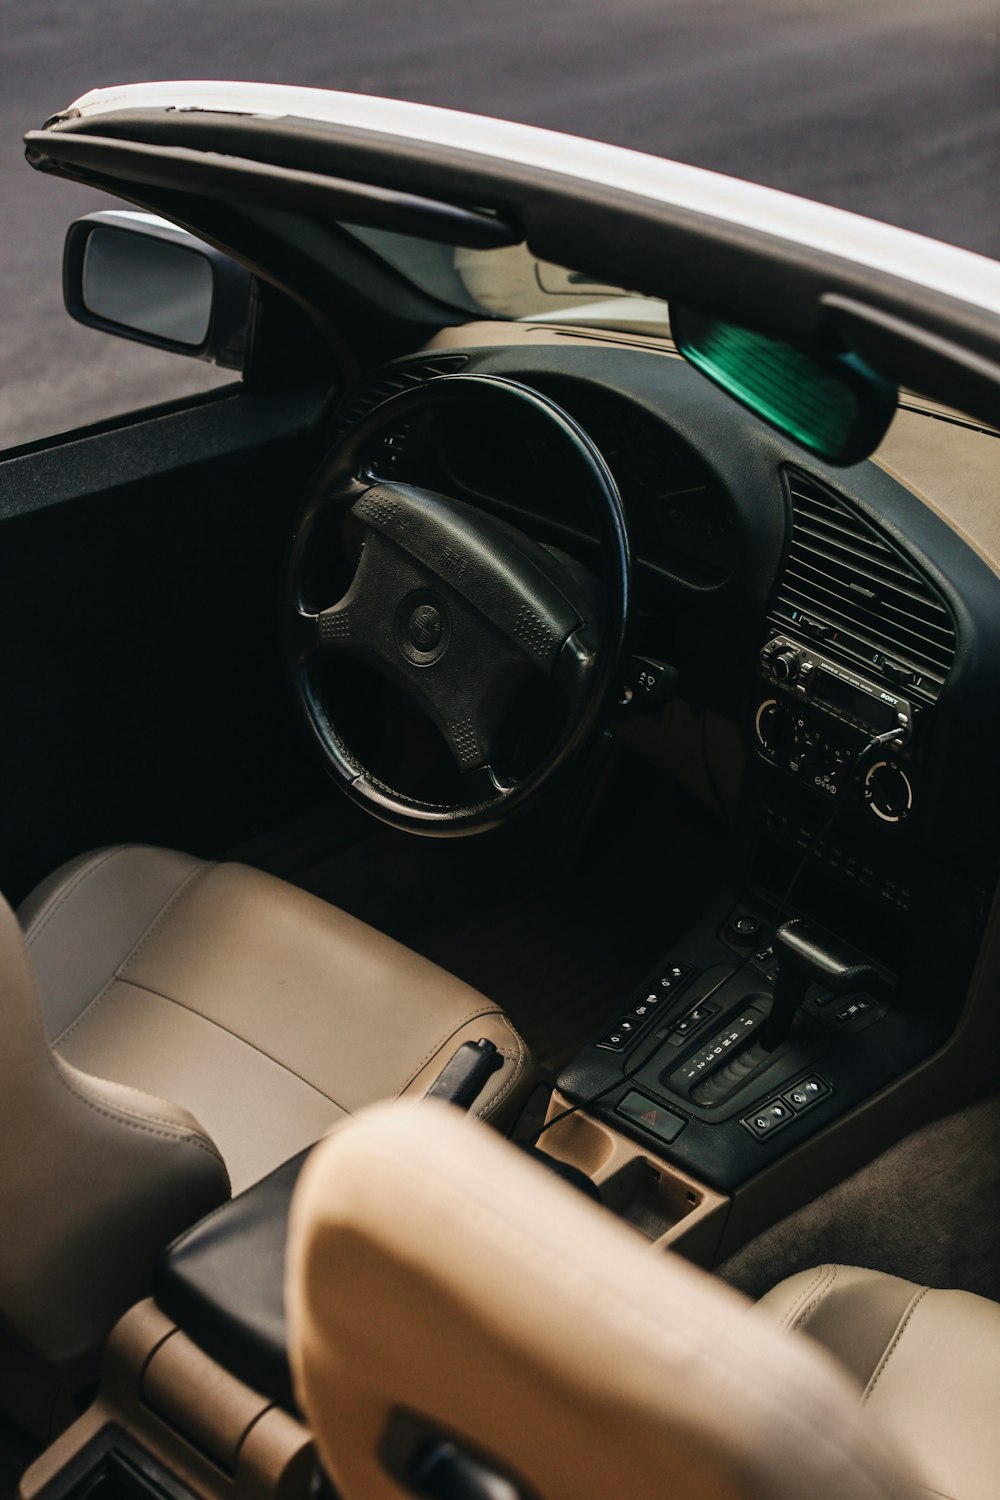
(814, 718)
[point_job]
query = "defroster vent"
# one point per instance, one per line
(401, 375)
(849, 588)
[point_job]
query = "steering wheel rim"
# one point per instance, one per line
(393, 515)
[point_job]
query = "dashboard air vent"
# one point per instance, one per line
(850, 589)
(402, 375)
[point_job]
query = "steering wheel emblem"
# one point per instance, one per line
(422, 629)
(425, 627)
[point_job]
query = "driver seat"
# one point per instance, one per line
(173, 1031)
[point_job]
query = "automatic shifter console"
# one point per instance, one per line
(805, 957)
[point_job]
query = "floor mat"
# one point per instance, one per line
(926, 1210)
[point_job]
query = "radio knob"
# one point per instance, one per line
(888, 791)
(785, 664)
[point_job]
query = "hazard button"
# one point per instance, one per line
(655, 1118)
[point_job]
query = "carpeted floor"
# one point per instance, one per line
(928, 1209)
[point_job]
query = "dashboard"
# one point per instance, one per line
(842, 619)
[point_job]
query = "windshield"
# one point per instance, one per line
(512, 283)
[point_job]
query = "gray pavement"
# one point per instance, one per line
(888, 107)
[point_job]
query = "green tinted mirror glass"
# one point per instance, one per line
(830, 402)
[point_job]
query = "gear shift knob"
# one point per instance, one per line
(805, 956)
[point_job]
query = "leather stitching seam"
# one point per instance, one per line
(903, 1325)
(133, 953)
(57, 900)
(793, 1312)
(822, 1293)
(491, 1105)
(442, 1041)
(150, 1123)
(236, 1037)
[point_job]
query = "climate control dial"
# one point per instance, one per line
(888, 791)
(775, 728)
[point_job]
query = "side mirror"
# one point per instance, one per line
(142, 278)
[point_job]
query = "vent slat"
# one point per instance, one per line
(401, 377)
(841, 573)
(888, 596)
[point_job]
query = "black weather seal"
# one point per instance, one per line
(183, 169)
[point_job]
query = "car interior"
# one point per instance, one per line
(475, 701)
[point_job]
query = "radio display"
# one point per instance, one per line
(854, 702)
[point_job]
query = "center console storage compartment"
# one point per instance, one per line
(659, 1200)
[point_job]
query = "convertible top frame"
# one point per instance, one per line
(924, 314)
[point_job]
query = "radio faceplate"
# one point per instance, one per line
(815, 716)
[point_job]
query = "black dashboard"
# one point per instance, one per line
(820, 611)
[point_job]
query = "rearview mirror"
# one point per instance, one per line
(142, 278)
(828, 400)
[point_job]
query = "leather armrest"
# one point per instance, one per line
(222, 1282)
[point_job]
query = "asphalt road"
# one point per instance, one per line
(888, 107)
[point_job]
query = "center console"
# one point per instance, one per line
(835, 834)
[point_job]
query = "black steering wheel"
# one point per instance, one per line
(456, 607)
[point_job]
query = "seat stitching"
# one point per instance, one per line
(58, 898)
(793, 1311)
(491, 1104)
(901, 1329)
(162, 1128)
(209, 1021)
(148, 1124)
(154, 1122)
(120, 968)
(823, 1292)
(486, 1010)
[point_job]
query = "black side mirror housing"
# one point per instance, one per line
(140, 277)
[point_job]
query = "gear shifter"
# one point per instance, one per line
(805, 957)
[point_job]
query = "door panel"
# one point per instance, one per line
(142, 690)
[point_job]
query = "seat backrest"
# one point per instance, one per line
(441, 1284)
(95, 1179)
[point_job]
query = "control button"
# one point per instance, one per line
(674, 977)
(806, 1093)
(644, 1009)
(655, 1118)
(693, 1019)
(784, 664)
(765, 956)
(745, 927)
(613, 1042)
(769, 1118)
(861, 1005)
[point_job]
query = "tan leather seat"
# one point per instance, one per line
(927, 1364)
(439, 1282)
(198, 1025)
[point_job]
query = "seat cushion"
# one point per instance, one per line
(265, 1012)
(927, 1363)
